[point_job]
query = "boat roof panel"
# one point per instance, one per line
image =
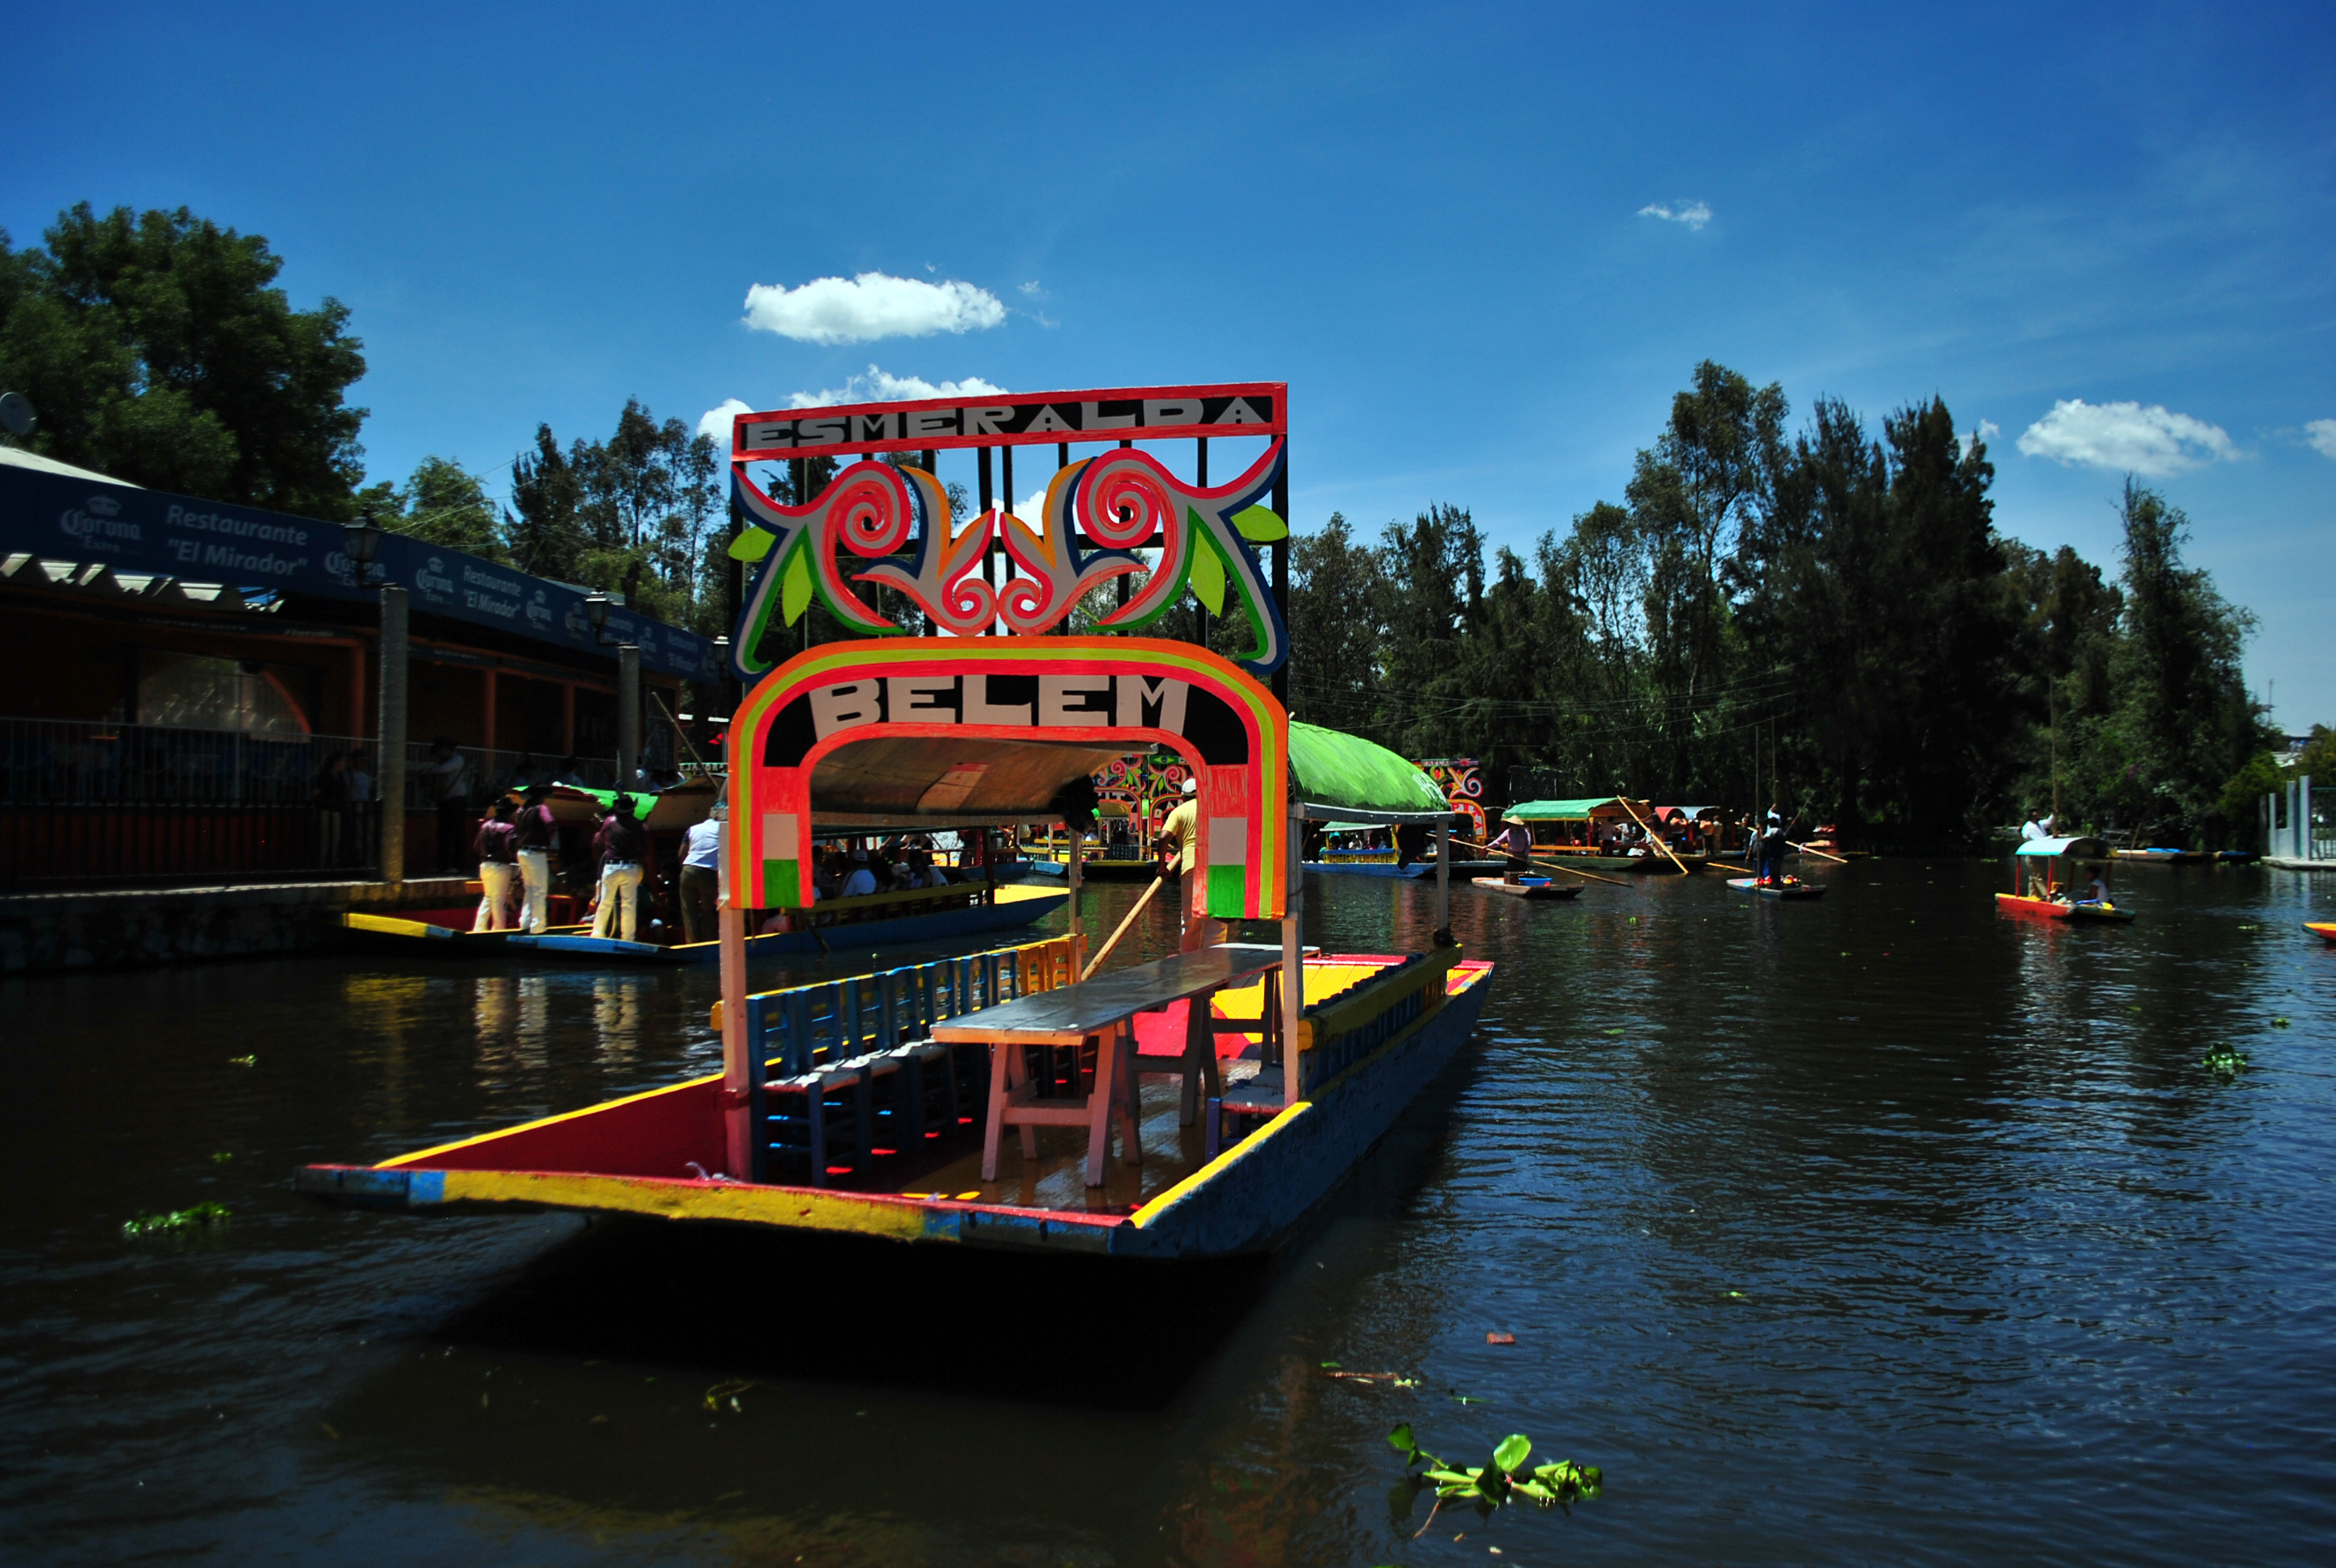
(2048, 849)
(911, 782)
(1581, 810)
(1333, 772)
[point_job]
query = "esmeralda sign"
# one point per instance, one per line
(1146, 413)
(63, 517)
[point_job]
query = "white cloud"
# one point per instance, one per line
(833, 310)
(1032, 288)
(716, 422)
(1988, 430)
(2151, 441)
(882, 386)
(1694, 214)
(2322, 434)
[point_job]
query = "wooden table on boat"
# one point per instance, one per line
(1103, 1010)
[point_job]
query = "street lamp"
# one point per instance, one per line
(362, 539)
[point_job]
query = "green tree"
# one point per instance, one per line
(2184, 723)
(1705, 478)
(547, 536)
(446, 503)
(157, 349)
(1336, 588)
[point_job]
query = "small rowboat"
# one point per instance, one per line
(2040, 862)
(1788, 888)
(2325, 930)
(2165, 857)
(1528, 887)
(2056, 909)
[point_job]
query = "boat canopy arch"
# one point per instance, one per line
(930, 732)
(2053, 849)
(1352, 783)
(1589, 808)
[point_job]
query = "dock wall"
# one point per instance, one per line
(137, 927)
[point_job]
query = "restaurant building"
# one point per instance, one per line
(193, 685)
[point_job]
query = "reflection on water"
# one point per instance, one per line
(1880, 1228)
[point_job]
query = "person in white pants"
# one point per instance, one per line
(624, 846)
(534, 834)
(494, 844)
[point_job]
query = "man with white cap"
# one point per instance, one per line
(1772, 847)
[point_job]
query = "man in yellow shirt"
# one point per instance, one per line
(1181, 832)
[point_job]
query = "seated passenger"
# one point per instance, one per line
(861, 880)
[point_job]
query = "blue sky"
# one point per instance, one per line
(1433, 222)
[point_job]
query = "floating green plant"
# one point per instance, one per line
(243, 1061)
(197, 1218)
(2279, 1023)
(2224, 1062)
(1496, 1484)
(222, 1157)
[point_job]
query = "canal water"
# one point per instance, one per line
(1882, 1229)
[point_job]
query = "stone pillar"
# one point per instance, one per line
(389, 771)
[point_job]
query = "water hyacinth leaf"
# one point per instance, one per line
(1511, 1450)
(1399, 1439)
(1260, 525)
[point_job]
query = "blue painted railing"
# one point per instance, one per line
(829, 1021)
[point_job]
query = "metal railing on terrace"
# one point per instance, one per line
(84, 801)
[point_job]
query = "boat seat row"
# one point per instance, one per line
(854, 1073)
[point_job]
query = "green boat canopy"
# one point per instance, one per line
(2053, 849)
(1574, 810)
(1342, 777)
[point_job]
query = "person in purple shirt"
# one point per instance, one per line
(496, 843)
(533, 833)
(623, 845)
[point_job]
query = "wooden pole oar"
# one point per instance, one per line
(1819, 853)
(1097, 962)
(1549, 865)
(1656, 838)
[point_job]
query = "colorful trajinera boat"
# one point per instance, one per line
(2042, 872)
(1237, 1082)
(2162, 856)
(2325, 930)
(1578, 832)
(885, 920)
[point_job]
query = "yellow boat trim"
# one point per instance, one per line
(1152, 1211)
(1143, 1217)
(804, 1209)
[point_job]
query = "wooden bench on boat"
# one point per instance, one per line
(1102, 1012)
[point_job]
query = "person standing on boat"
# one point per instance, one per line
(2039, 826)
(496, 843)
(1772, 848)
(622, 842)
(1181, 832)
(533, 833)
(1518, 843)
(701, 877)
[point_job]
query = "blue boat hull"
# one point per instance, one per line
(1412, 872)
(554, 946)
(1265, 1187)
